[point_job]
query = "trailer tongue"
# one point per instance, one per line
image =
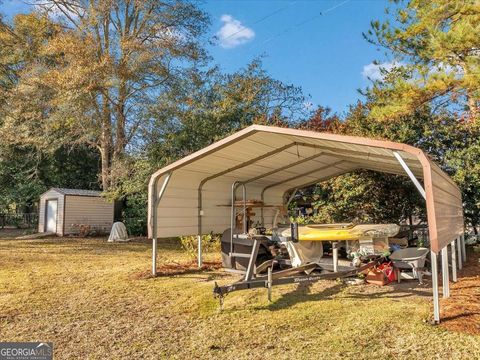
(307, 273)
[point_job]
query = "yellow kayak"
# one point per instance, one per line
(342, 232)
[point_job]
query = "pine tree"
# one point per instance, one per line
(436, 50)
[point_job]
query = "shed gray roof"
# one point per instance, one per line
(78, 192)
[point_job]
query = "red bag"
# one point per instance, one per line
(389, 271)
(381, 275)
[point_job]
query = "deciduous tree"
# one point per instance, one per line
(435, 47)
(107, 63)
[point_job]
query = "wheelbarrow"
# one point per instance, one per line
(410, 259)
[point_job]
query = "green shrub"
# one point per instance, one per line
(134, 214)
(210, 243)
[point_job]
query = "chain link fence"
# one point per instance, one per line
(18, 220)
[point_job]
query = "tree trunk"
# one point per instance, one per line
(105, 167)
(106, 144)
(120, 135)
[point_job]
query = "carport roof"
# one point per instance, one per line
(283, 159)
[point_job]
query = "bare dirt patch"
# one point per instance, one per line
(461, 312)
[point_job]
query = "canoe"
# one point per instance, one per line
(343, 232)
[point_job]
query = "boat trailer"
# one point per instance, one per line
(307, 273)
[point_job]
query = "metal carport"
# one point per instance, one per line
(186, 197)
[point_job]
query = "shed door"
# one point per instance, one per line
(51, 216)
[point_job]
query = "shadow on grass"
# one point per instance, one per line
(303, 293)
(460, 316)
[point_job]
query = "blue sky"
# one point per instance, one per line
(324, 54)
(317, 45)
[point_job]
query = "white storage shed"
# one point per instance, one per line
(65, 211)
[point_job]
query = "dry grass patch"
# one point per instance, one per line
(85, 295)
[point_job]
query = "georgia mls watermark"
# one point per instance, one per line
(26, 351)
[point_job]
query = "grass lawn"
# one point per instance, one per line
(94, 300)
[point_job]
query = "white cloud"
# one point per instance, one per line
(233, 33)
(373, 71)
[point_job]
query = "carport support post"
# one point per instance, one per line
(200, 260)
(155, 201)
(464, 251)
(436, 303)
(445, 274)
(154, 256)
(459, 252)
(433, 254)
(454, 261)
(269, 283)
